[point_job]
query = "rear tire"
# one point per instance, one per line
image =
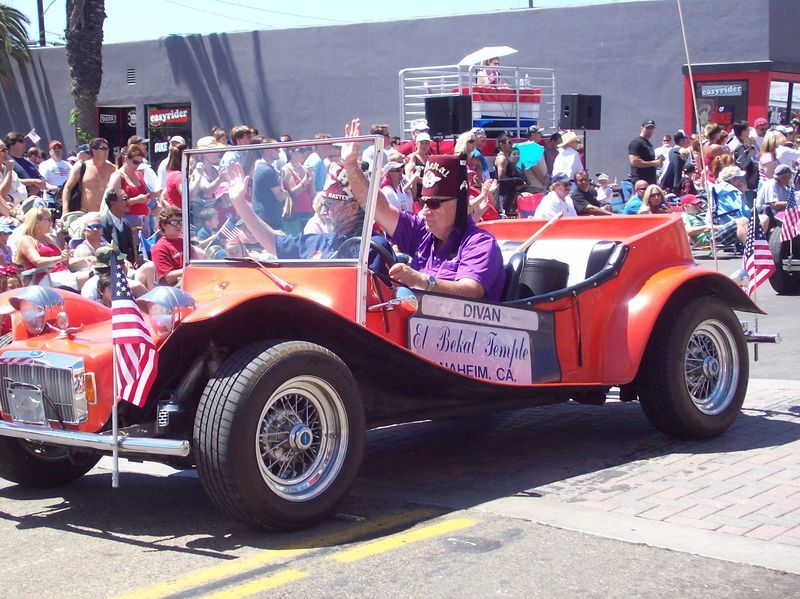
(40, 465)
(693, 377)
(784, 283)
(279, 434)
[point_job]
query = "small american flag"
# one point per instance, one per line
(135, 356)
(791, 219)
(230, 230)
(757, 258)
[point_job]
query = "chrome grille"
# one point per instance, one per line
(55, 382)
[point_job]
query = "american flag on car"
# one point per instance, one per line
(757, 259)
(791, 219)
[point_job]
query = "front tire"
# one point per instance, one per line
(693, 378)
(784, 283)
(40, 465)
(279, 434)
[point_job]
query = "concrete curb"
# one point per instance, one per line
(630, 529)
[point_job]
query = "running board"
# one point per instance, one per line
(145, 445)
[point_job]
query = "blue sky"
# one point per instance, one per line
(130, 20)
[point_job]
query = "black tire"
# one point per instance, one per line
(294, 403)
(700, 344)
(784, 283)
(40, 466)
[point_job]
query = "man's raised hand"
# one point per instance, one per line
(350, 150)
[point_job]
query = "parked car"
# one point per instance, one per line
(270, 371)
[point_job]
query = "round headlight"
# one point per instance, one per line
(33, 316)
(37, 306)
(162, 319)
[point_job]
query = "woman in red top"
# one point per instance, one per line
(131, 181)
(173, 190)
(38, 248)
(299, 182)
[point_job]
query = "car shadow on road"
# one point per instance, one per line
(443, 465)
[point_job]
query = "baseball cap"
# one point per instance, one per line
(177, 139)
(761, 122)
(689, 198)
(391, 166)
(731, 172)
(55, 143)
(103, 255)
(7, 229)
(137, 139)
(423, 137)
(84, 148)
(534, 129)
(782, 169)
(559, 178)
(602, 177)
(649, 123)
(479, 132)
(679, 136)
(419, 125)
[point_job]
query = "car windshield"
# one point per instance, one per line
(284, 202)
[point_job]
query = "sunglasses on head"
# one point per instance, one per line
(434, 203)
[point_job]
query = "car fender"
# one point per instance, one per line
(632, 321)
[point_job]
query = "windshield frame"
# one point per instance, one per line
(366, 232)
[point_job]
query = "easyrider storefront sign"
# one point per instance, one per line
(169, 116)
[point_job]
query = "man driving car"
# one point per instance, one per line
(449, 253)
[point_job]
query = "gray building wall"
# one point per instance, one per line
(304, 81)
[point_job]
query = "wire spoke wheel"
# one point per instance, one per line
(711, 367)
(302, 437)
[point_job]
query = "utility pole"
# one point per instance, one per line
(40, 9)
(530, 3)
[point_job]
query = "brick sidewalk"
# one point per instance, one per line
(746, 482)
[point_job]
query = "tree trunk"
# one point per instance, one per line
(84, 36)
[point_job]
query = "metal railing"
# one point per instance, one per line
(517, 84)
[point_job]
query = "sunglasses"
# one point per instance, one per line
(655, 194)
(135, 161)
(45, 218)
(434, 203)
(104, 148)
(175, 223)
(94, 227)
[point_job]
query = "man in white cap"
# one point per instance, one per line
(568, 162)
(558, 200)
(162, 167)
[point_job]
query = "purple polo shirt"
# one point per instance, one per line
(477, 257)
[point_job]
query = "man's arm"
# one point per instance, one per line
(637, 162)
(238, 190)
(405, 275)
(500, 165)
(72, 180)
(386, 215)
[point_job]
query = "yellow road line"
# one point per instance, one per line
(257, 586)
(263, 558)
(401, 539)
(351, 555)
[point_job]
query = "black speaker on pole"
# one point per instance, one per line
(580, 111)
(448, 115)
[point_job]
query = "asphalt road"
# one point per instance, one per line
(497, 505)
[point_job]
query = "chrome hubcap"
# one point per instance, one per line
(711, 367)
(301, 440)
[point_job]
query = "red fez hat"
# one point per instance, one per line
(444, 176)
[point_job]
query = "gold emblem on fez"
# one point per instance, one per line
(429, 179)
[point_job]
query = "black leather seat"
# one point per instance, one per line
(514, 267)
(598, 257)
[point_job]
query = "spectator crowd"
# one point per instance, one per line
(63, 216)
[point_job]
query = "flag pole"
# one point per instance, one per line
(115, 432)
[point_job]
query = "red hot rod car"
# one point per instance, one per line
(270, 370)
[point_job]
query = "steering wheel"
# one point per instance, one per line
(386, 254)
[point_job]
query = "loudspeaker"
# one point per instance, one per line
(580, 111)
(448, 115)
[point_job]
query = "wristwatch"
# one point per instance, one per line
(431, 283)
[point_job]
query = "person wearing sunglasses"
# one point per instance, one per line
(449, 253)
(131, 180)
(653, 201)
(167, 253)
(557, 200)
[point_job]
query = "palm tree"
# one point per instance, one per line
(84, 36)
(13, 39)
